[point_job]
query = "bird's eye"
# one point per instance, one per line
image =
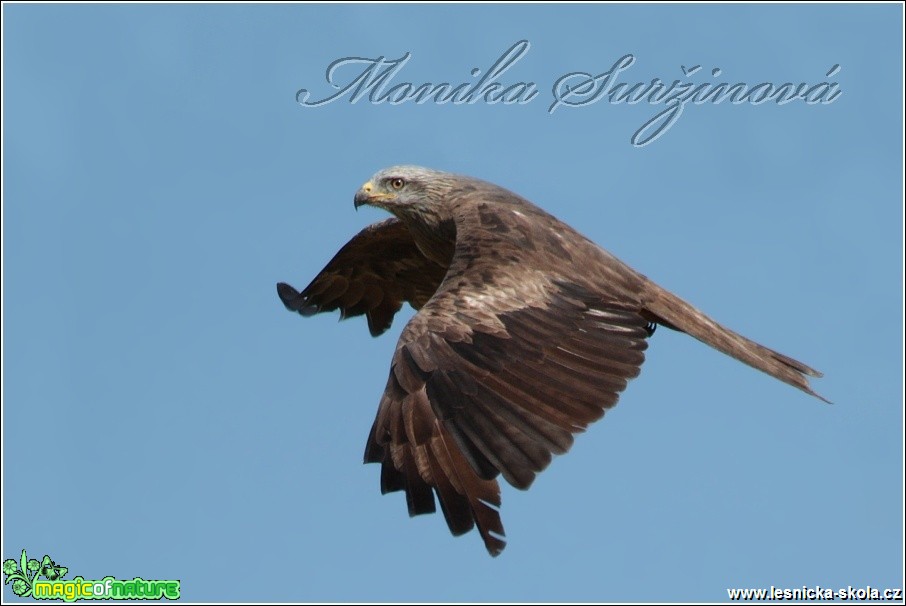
(397, 183)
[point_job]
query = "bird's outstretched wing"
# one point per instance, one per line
(500, 367)
(373, 274)
(497, 388)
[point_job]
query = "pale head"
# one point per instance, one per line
(407, 190)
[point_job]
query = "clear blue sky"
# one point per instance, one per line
(165, 417)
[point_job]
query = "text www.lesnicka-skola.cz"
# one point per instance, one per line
(815, 593)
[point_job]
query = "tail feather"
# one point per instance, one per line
(666, 308)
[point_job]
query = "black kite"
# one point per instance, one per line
(526, 333)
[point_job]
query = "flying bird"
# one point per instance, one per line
(526, 333)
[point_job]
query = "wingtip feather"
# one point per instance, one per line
(288, 295)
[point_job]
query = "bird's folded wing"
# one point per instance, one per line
(373, 274)
(474, 393)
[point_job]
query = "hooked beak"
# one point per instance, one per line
(367, 195)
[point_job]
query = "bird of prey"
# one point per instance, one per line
(526, 333)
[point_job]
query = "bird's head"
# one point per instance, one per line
(407, 191)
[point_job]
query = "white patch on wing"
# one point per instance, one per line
(610, 320)
(509, 293)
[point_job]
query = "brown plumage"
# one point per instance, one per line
(526, 333)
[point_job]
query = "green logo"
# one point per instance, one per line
(44, 580)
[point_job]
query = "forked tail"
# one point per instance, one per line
(668, 309)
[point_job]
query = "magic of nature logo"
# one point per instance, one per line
(44, 580)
